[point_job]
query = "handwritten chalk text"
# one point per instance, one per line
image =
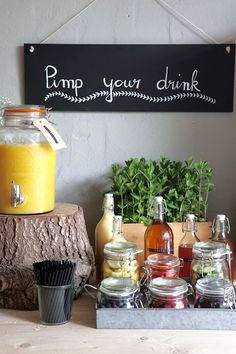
(166, 83)
(51, 80)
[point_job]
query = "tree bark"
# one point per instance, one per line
(25, 239)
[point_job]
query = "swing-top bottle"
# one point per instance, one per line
(220, 233)
(103, 232)
(189, 229)
(158, 237)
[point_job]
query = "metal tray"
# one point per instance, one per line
(166, 318)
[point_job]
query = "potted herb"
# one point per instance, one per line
(185, 187)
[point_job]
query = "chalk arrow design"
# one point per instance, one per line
(130, 94)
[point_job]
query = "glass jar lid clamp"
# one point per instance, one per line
(212, 250)
(33, 116)
(123, 249)
(169, 287)
(216, 288)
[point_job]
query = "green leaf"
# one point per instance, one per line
(184, 185)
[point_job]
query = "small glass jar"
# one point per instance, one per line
(118, 293)
(214, 293)
(120, 260)
(162, 265)
(209, 261)
(168, 293)
(27, 162)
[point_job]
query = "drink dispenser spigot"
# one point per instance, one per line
(17, 197)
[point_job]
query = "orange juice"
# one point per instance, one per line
(32, 167)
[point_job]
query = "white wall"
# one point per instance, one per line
(96, 140)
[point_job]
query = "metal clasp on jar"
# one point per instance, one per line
(229, 296)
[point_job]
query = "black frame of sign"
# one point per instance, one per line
(130, 78)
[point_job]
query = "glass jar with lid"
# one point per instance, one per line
(162, 265)
(214, 293)
(120, 260)
(209, 261)
(118, 293)
(168, 293)
(27, 162)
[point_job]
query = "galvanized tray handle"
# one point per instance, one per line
(86, 286)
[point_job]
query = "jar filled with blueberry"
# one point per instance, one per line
(214, 293)
(168, 293)
(119, 293)
(209, 261)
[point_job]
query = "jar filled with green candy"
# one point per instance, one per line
(209, 261)
(120, 260)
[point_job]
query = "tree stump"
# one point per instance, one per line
(25, 239)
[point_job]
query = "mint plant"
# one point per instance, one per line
(185, 187)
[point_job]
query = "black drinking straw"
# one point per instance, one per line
(54, 279)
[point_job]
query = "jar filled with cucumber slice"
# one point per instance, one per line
(120, 260)
(209, 261)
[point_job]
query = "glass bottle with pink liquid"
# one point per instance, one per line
(158, 237)
(186, 244)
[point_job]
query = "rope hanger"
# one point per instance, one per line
(186, 22)
(68, 21)
(177, 15)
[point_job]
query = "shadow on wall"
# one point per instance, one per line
(20, 64)
(89, 195)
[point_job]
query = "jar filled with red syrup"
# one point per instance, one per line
(162, 265)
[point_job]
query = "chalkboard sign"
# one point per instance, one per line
(151, 78)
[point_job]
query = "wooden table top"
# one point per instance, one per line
(21, 332)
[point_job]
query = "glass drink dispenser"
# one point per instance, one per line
(27, 162)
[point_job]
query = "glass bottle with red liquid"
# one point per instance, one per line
(186, 244)
(220, 233)
(158, 237)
